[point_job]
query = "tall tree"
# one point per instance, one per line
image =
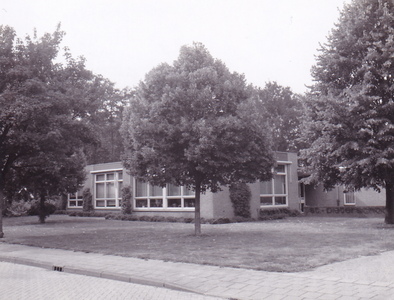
(194, 124)
(283, 110)
(351, 107)
(45, 117)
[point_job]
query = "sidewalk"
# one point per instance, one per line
(354, 279)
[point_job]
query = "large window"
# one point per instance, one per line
(274, 192)
(169, 197)
(107, 189)
(76, 199)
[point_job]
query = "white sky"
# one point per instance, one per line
(267, 40)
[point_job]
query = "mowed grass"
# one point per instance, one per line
(289, 245)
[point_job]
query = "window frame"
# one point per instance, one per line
(78, 198)
(117, 184)
(273, 194)
(183, 197)
(345, 197)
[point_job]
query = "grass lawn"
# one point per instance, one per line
(288, 245)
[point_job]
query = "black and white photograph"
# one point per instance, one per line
(197, 150)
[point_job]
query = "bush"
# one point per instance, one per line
(221, 221)
(87, 198)
(126, 200)
(277, 213)
(49, 208)
(17, 209)
(240, 196)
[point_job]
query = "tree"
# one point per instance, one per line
(45, 117)
(194, 124)
(351, 107)
(107, 121)
(283, 110)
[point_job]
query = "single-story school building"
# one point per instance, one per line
(105, 182)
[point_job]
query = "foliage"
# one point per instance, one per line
(107, 121)
(240, 196)
(47, 114)
(127, 195)
(87, 200)
(351, 107)
(350, 211)
(35, 208)
(195, 124)
(277, 213)
(284, 111)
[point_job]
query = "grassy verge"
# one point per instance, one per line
(288, 245)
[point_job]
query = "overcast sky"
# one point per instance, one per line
(122, 40)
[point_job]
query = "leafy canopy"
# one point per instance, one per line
(194, 123)
(351, 108)
(47, 115)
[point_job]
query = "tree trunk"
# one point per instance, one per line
(389, 204)
(197, 219)
(1, 211)
(42, 212)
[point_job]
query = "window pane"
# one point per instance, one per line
(349, 198)
(72, 196)
(110, 190)
(120, 186)
(141, 189)
(100, 177)
(266, 201)
(187, 192)
(100, 203)
(189, 202)
(79, 203)
(280, 184)
(120, 175)
(141, 203)
(266, 187)
(99, 190)
(111, 203)
(156, 202)
(111, 176)
(280, 169)
(174, 203)
(280, 200)
(173, 190)
(155, 190)
(73, 203)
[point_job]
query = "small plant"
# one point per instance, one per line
(87, 197)
(240, 196)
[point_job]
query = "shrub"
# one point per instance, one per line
(158, 219)
(221, 221)
(17, 208)
(126, 200)
(277, 213)
(240, 196)
(63, 202)
(34, 210)
(87, 198)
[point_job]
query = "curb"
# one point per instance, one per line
(98, 274)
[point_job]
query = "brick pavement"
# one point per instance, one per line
(20, 282)
(235, 283)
